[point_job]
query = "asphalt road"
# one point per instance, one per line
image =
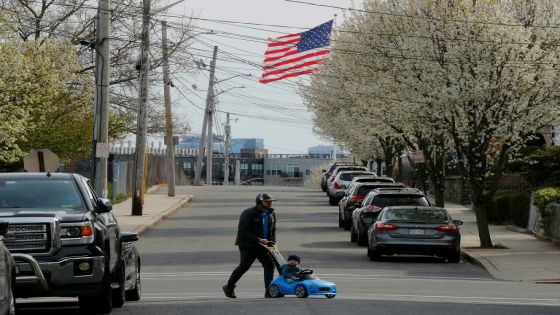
(188, 257)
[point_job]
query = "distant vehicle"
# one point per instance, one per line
(371, 178)
(253, 181)
(339, 184)
(415, 230)
(375, 201)
(66, 241)
(328, 172)
(342, 169)
(7, 275)
(354, 197)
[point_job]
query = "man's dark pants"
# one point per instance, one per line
(248, 256)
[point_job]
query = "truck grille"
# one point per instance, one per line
(28, 237)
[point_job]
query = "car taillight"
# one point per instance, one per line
(451, 228)
(336, 185)
(357, 198)
(380, 227)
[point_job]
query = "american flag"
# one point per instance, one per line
(296, 54)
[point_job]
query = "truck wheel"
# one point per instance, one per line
(101, 303)
(118, 293)
(134, 294)
(333, 201)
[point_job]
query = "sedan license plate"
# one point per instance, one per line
(416, 231)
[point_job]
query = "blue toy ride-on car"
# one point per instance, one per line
(308, 285)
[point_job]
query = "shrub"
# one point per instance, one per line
(545, 199)
(497, 209)
(519, 208)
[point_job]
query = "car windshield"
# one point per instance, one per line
(422, 215)
(383, 201)
(364, 190)
(47, 193)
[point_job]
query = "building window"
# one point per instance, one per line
(256, 169)
(244, 169)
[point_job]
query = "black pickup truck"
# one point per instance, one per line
(67, 242)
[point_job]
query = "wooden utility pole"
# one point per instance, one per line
(102, 76)
(168, 116)
(141, 132)
(210, 139)
(209, 102)
(226, 151)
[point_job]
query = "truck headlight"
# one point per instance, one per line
(76, 233)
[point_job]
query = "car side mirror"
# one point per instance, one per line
(128, 237)
(4, 227)
(104, 205)
(458, 222)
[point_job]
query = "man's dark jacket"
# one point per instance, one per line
(250, 228)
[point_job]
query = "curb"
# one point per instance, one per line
(480, 261)
(159, 217)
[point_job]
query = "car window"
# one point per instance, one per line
(44, 193)
(90, 192)
(364, 190)
(424, 215)
(368, 200)
(400, 200)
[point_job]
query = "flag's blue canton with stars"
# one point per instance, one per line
(315, 37)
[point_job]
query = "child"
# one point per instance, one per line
(291, 271)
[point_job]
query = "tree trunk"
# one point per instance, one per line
(399, 170)
(439, 180)
(378, 162)
(479, 203)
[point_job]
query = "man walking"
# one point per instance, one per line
(257, 225)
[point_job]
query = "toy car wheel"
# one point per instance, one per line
(330, 296)
(275, 291)
(301, 292)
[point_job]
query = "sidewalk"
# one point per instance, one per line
(156, 208)
(525, 258)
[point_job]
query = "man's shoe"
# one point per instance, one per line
(267, 295)
(229, 292)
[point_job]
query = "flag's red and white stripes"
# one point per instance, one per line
(282, 59)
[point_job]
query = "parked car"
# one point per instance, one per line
(354, 197)
(7, 275)
(66, 241)
(328, 172)
(343, 169)
(415, 230)
(375, 201)
(371, 178)
(338, 186)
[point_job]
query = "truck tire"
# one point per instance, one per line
(134, 294)
(119, 293)
(101, 303)
(333, 201)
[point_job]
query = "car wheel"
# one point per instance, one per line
(101, 303)
(373, 254)
(352, 234)
(347, 224)
(134, 294)
(340, 221)
(275, 291)
(324, 188)
(333, 201)
(301, 292)
(119, 293)
(361, 239)
(454, 257)
(330, 296)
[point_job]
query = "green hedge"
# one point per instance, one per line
(545, 199)
(509, 206)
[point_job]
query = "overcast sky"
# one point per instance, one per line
(274, 112)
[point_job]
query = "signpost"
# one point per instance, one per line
(41, 160)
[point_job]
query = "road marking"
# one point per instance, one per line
(203, 297)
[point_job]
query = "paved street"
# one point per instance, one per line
(188, 257)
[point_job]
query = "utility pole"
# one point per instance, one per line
(226, 151)
(210, 139)
(168, 116)
(102, 76)
(141, 132)
(209, 100)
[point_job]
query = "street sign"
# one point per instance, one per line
(418, 157)
(102, 150)
(40, 160)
